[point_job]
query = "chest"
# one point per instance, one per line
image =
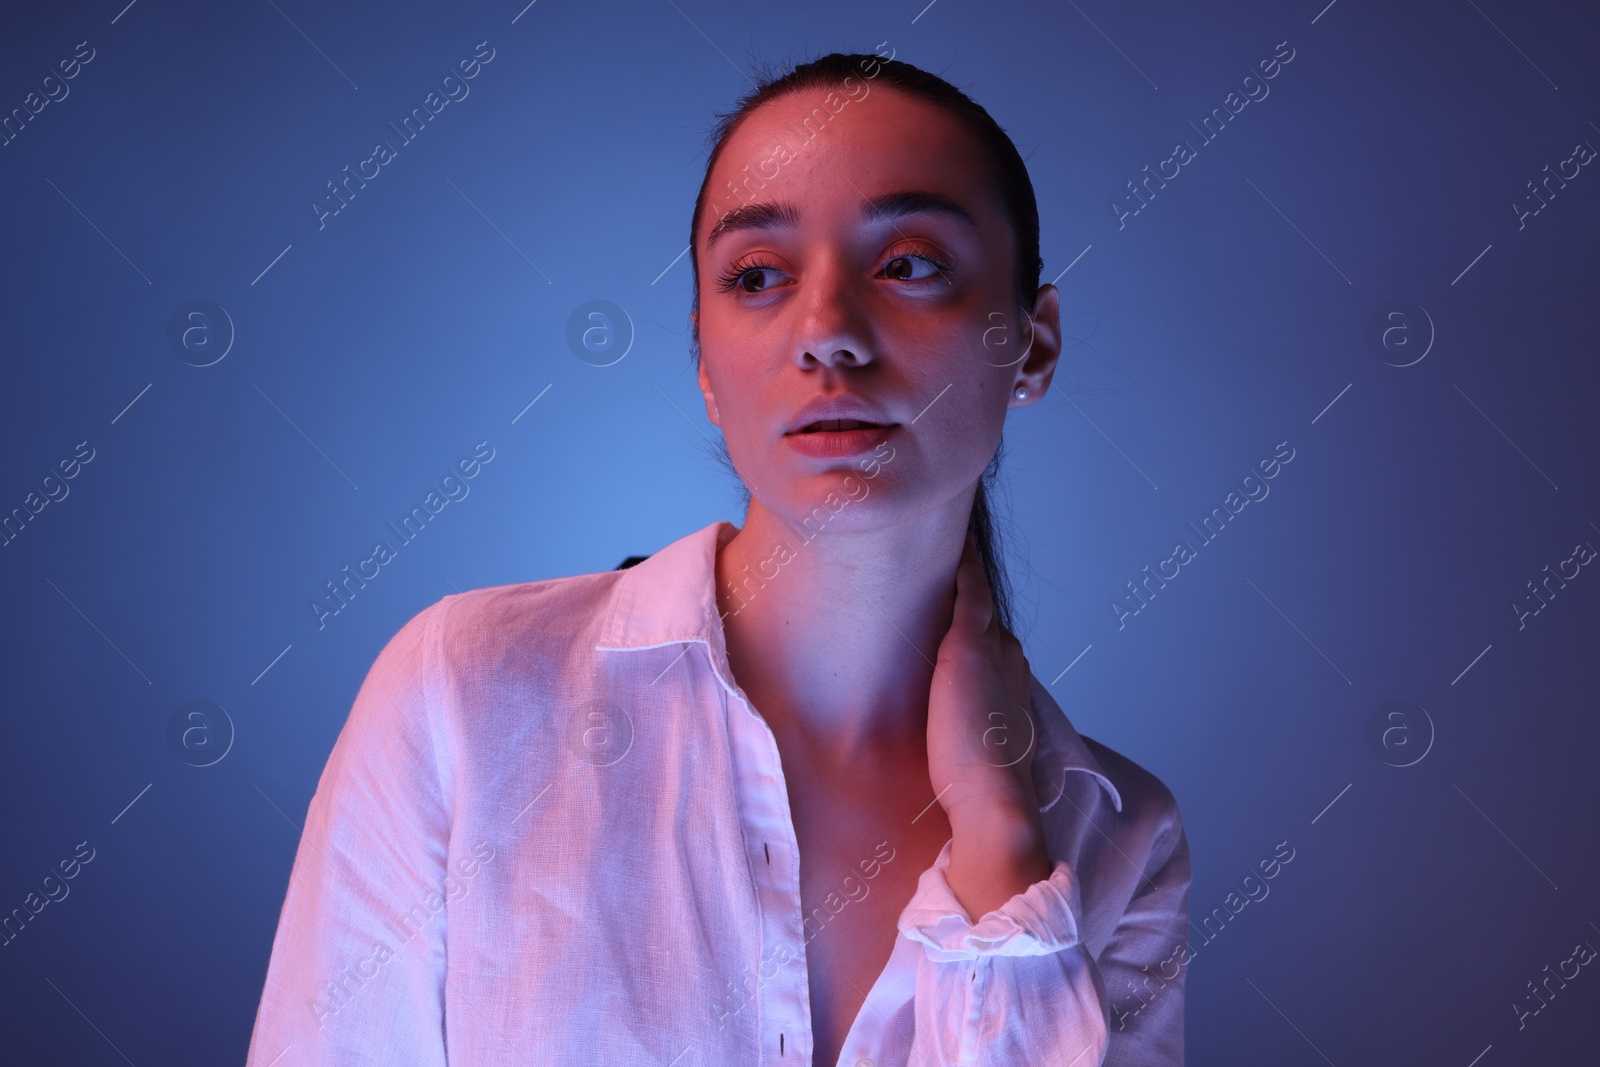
(864, 843)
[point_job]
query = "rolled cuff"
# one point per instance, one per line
(1040, 920)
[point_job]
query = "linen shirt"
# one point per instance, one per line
(553, 830)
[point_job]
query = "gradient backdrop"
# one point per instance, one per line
(1356, 269)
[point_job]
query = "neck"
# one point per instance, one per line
(833, 633)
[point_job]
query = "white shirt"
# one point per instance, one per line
(553, 830)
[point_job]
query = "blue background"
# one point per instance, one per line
(371, 354)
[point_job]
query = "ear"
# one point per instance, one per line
(705, 390)
(1044, 349)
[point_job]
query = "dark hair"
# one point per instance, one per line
(1016, 195)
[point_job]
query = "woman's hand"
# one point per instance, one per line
(981, 739)
(980, 722)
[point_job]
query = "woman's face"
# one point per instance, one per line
(808, 294)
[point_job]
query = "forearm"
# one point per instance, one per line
(995, 853)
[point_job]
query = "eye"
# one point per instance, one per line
(749, 276)
(738, 276)
(898, 265)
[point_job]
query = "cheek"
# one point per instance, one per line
(1004, 340)
(955, 438)
(751, 420)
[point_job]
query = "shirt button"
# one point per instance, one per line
(865, 1061)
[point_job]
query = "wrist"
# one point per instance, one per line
(1001, 823)
(985, 872)
(1000, 845)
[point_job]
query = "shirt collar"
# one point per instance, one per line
(670, 598)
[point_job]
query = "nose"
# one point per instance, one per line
(833, 330)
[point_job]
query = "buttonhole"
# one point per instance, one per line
(768, 852)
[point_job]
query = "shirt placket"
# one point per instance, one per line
(781, 995)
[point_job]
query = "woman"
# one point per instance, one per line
(780, 793)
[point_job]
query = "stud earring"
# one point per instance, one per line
(1022, 392)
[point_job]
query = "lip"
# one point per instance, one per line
(846, 406)
(829, 444)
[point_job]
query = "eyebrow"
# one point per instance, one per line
(888, 206)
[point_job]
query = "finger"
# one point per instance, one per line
(974, 601)
(1016, 656)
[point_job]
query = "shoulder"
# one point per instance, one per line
(1138, 854)
(1112, 799)
(477, 670)
(543, 614)
(1142, 792)
(1150, 814)
(468, 640)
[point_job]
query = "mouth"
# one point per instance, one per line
(834, 439)
(840, 425)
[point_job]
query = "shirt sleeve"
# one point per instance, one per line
(1017, 986)
(357, 969)
(1146, 960)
